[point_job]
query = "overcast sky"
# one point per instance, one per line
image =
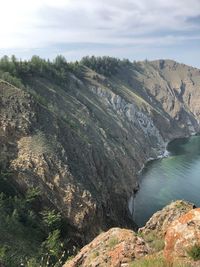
(134, 29)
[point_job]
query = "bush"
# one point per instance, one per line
(52, 243)
(51, 219)
(32, 194)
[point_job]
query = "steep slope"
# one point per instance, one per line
(84, 142)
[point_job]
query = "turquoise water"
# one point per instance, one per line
(171, 178)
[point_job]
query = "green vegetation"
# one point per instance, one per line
(156, 243)
(29, 234)
(93, 256)
(16, 71)
(113, 242)
(39, 144)
(6, 76)
(194, 252)
(104, 65)
(40, 99)
(51, 219)
(149, 262)
(156, 261)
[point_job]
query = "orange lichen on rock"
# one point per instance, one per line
(162, 219)
(114, 248)
(182, 235)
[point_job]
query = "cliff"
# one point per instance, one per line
(84, 142)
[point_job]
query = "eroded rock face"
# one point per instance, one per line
(97, 135)
(182, 235)
(161, 220)
(114, 248)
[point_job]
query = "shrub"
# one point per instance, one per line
(51, 219)
(32, 194)
(52, 245)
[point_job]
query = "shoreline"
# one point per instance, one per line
(164, 154)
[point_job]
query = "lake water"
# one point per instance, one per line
(171, 178)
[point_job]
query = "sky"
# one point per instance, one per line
(134, 29)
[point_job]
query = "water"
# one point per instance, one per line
(168, 179)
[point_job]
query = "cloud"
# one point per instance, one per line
(39, 24)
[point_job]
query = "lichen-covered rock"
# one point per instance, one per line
(161, 220)
(182, 235)
(114, 248)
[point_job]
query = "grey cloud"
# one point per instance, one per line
(143, 15)
(111, 22)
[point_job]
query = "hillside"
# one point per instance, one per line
(81, 132)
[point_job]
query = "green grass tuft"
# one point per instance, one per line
(156, 243)
(194, 252)
(113, 242)
(157, 261)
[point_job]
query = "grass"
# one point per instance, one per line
(156, 261)
(180, 204)
(113, 242)
(194, 252)
(38, 144)
(43, 101)
(149, 262)
(156, 243)
(94, 255)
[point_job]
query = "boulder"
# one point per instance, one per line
(182, 235)
(114, 248)
(161, 220)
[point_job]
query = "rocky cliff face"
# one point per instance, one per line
(84, 143)
(170, 238)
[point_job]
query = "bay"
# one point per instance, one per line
(165, 180)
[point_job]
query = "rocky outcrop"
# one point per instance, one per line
(84, 142)
(182, 236)
(179, 226)
(161, 220)
(116, 247)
